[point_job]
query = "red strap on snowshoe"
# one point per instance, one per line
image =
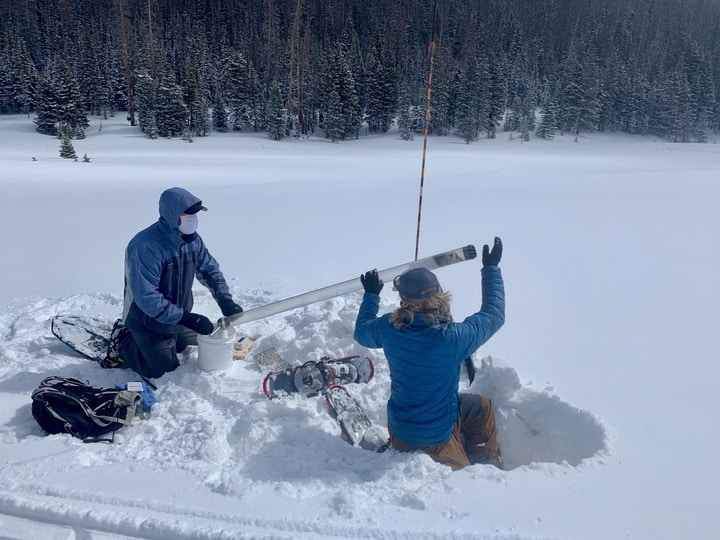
(266, 389)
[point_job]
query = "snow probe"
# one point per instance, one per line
(426, 130)
(352, 285)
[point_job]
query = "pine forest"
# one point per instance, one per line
(342, 69)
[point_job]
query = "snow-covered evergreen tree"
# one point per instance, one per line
(67, 150)
(334, 118)
(145, 99)
(635, 106)
(441, 107)
(18, 77)
(381, 88)
(494, 87)
(241, 90)
(698, 71)
(199, 121)
(72, 117)
(342, 105)
(351, 47)
(547, 127)
(469, 103)
(578, 107)
(674, 111)
(612, 98)
(276, 114)
(47, 106)
(195, 95)
(404, 121)
(93, 79)
(59, 103)
(171, 113)
(219, 113)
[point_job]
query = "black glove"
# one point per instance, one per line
(197, 323)
(228, 307)
(371, 282)
(470, 368)
(492, 258)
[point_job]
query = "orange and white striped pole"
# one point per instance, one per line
(431, 52)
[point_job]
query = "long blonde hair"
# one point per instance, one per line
(435, 309)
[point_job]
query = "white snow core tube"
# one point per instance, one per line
(352, 285)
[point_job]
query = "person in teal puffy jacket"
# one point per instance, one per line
(425, 350)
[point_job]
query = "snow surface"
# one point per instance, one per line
(603, 378)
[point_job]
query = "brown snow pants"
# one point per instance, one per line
(474, 435)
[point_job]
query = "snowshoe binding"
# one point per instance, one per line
(112, 358)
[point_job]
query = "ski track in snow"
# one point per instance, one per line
(219, 430)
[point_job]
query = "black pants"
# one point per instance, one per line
(152, 355)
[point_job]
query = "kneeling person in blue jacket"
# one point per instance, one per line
(425, 350)
(161, 263)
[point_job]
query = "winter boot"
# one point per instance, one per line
(112, 359)
(487, 459)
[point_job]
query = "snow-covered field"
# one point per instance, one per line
(603, 378)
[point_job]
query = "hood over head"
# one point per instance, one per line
(176, 201)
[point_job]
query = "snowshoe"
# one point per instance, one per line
(357, 429)
(313, 378)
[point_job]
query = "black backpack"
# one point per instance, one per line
(67, 405)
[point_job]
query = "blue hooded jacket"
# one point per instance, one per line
(160, 266)
(425, 360)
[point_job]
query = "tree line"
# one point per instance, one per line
(339, 68)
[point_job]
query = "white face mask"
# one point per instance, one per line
(188, 223)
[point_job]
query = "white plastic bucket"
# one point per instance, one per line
(215, 352)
